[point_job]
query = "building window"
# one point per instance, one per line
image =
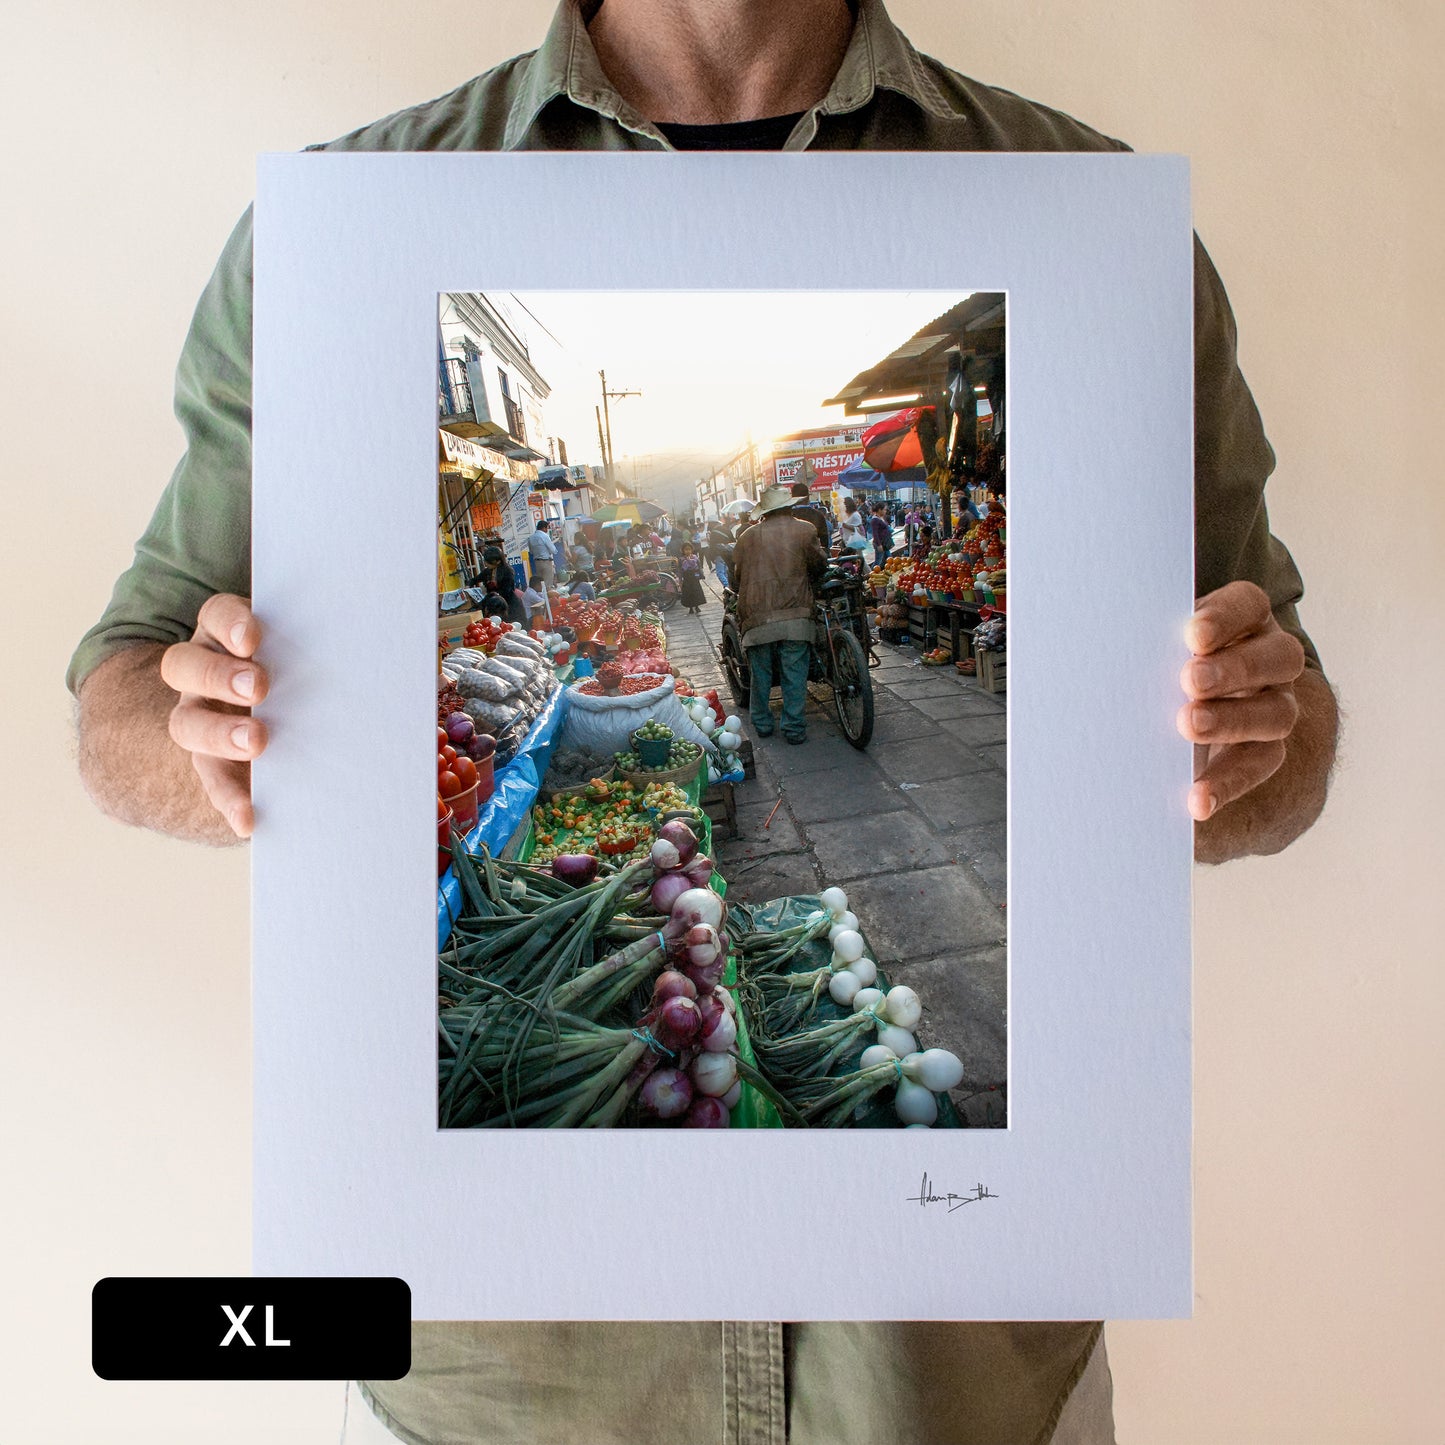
(516, 422)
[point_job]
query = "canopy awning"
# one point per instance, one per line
(974, 327)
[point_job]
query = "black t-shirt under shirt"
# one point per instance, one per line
(768, 134)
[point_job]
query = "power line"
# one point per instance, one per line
(538, 320)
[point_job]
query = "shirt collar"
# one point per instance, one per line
(565, 64)
(879, 57)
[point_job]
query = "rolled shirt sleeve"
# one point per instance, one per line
(1232, 462)
(198, 541)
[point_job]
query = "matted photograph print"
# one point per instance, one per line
(800, 611)
(721, 712)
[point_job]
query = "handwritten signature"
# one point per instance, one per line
(926, 1196)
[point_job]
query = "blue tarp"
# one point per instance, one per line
(514, 793)
(862, 478)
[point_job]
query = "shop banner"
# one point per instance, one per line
(463, 453)
(826, 467)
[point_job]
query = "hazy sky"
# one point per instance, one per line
(712, 365)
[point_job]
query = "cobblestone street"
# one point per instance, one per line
(914, 829)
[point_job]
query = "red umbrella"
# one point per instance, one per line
(893, 444)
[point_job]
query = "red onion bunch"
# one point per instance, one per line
(677, 864)
(697, 1028)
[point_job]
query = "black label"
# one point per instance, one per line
(250, 1329)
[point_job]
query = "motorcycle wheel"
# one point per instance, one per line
(667, 595)
(852, 689)
(735, 663)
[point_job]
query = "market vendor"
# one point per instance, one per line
(582, 558)
(542, 553)
(534, 604)
(499, 579)
(775, 566)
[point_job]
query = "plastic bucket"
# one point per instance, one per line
(486, 780)
(652, 752)
(464, 806)
(444, 838)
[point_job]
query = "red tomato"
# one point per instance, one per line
(448, 784)
(449, 753)
(442, 809)
(442, 738)
(466, 771)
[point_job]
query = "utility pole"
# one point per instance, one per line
(602, 442)
(607, 460)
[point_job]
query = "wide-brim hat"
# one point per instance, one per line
(773, 499)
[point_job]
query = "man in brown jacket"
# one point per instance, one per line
(775, 565)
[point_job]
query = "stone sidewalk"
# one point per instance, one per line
(914, 829)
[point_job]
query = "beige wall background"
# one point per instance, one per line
(1313, 131)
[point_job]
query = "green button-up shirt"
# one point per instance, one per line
(739, 1383)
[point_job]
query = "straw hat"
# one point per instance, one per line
(773, 499)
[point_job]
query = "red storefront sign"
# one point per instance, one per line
(825, 467)
(820, 455)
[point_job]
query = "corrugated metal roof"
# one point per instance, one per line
(969, 325)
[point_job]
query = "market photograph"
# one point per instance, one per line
(722, 710)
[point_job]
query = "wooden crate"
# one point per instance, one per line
(922, 626)
(993, 671)
(450, 629)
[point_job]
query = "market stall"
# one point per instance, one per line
(952, 602)
(590, 970)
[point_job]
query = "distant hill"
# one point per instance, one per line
(670, 478)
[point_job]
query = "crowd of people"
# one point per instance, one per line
(772, 567)
(583, 558)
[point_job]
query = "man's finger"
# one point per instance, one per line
(1233, 772)
(192, 667)
(1273, 659)
(228, 786)
(200, 728)
(229, 621)
(1239, 610)
(1268, 716)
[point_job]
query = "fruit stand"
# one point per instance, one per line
(939, 602)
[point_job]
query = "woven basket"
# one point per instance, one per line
(681, 776)
(546, 794)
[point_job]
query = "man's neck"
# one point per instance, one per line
(710, 62)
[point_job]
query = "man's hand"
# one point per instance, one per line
(176, 765)
(219, 680)
(1264, 728)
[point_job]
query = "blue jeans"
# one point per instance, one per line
(788, 661)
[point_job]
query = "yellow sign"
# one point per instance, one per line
(464, 455)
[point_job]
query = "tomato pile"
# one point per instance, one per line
(485, 635)
(456, 772)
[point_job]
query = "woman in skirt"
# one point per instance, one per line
(690, 565)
